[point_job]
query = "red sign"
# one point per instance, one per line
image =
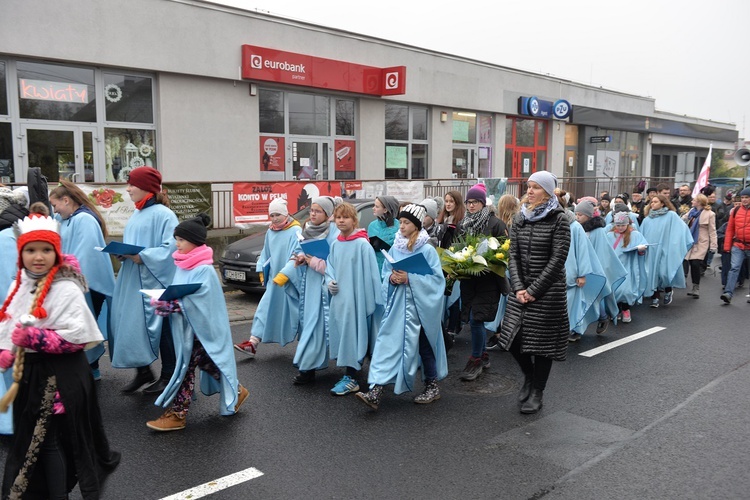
(271, 154)
(250, 199)
(345, 154)
(270, 65)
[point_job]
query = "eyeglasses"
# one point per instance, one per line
(473, 202)
(316, 211)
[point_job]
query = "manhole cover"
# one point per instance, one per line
(488, 384)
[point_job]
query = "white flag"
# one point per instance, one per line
(703, 177)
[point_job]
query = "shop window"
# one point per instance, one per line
(128, 98)
(55, 92)
(309, 115)
(464, 127)
(271, 104)
(3, 90)
(6, 154)
(406, 149)
(126, 149)
(396, 122)
(344, 117)
(525, 133)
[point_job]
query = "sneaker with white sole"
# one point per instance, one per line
(655, 303)
(346, 385)
(668, 298)
(626, 317)
(247, 348)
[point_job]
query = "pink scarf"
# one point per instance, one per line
(198, 256)
(361, 233)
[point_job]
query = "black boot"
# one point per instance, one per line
(305, 377)
(143, 376)
(158, 386)
(534, 403)
(523, 394)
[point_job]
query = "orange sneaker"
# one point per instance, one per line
(242, 395)
(169, 421)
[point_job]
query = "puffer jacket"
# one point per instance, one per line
(537, 264)
(738, 229)
(480, 296)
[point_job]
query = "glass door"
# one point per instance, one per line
(60, 152)
(464, 163)
(524, 163)
(309, 159)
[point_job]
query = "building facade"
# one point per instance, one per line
(90, 89)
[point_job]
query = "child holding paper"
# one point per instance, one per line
(304, 277)
(630, 247)
(200, 330)
(354, 283)
(277, 316)
(137, 333)
(411, 327)
(383, 229)
(59, 437)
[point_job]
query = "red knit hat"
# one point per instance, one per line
(146, 178)
(38, 227)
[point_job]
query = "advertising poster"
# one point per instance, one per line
(271, 154)
(353, 189)
(188, 200)
(113, 202)
(607, 163)
(412, 191)
(345, 156)
(395, 157)
(250, 199)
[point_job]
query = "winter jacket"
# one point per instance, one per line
(11, 214)
(706, 236)
(538, 251)
(738, 230)
(480, 296)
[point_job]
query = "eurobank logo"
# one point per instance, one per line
(271, 65)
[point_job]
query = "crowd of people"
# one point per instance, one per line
(375, 298)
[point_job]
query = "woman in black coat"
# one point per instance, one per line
(535, 326)
(480, 296)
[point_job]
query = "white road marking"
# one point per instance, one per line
(618, 343)
(216, 485)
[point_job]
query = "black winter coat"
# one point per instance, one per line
(480, 296)
(537, 264)
(12, 214)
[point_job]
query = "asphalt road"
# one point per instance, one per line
(663, 416)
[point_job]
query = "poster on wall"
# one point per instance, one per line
(353, 189)
(271, 154)
(412, 191)
(113, 202)
(188, 200)
(345, 156)
(395, 157)
(250, 199)
(607, 163)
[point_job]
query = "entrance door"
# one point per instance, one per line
(309, 159)
(524, 163)
(464, 163)
(61, 152)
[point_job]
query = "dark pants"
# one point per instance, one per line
(454, 317)
(535, 367)
(429, 367)
(166, 350)
(696, 267)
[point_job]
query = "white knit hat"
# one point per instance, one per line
(414, 213)
(278, 206)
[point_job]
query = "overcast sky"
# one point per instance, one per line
(691, 56)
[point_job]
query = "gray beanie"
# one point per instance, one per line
(326, 203)
(586, 208)
(546, 180)
(431, 206)
(621, 207)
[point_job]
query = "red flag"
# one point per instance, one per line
(703, 177)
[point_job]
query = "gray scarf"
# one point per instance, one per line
(316, 232)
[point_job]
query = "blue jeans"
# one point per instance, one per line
(738, 257)
(429, 366)
(478, 337)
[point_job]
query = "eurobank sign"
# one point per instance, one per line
(270, 65)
